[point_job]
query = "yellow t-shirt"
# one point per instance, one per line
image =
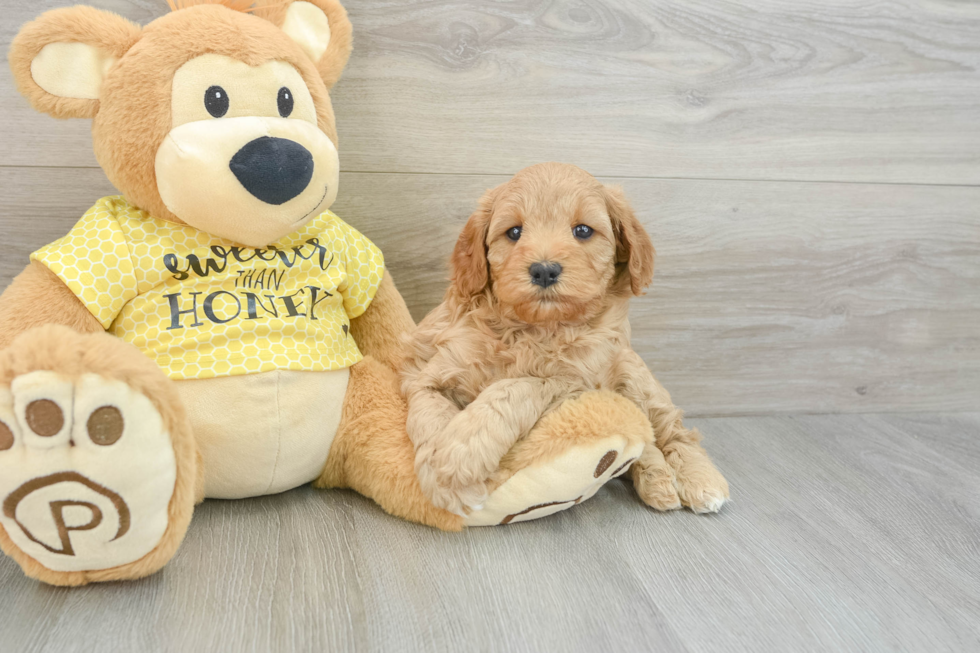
(203, 307)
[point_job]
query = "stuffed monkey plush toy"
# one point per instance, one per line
(214, 330)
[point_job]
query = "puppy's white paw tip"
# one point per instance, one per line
(709, 503)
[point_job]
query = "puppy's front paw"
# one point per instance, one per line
(460, 501)
(451, 489)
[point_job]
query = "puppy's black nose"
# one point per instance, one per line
(275, 170)
(544, 274)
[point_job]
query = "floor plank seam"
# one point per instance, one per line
(601, 176)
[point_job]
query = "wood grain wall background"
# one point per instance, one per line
(809, 171)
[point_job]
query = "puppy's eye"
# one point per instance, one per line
(583, 231)
(285, 101)
(216, 101)
(514, 233)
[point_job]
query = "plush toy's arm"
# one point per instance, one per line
(37, 297)
(379, 330)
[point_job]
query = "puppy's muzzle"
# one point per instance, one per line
(544, 273)
(274, 170)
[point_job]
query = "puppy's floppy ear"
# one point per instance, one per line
(320, 27)
(633, 244)
(470, 273)
(60, 60)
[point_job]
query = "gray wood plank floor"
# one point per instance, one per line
(846, 533)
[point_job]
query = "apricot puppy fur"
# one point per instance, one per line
(537, 313)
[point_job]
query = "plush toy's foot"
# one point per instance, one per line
(569, 455)
(89, 471)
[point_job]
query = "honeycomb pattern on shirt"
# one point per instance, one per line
(203, 307)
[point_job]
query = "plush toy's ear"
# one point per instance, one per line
(469, 260)
(633, 244)
(320, 27)
(60, 60)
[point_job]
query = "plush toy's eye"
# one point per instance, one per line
(583, 231)
(514, 233)
(285, 102)
(216, 101)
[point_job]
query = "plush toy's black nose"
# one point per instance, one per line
(275, 170)
(544, 274)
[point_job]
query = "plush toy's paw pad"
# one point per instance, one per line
(87, 471)
(553, 485)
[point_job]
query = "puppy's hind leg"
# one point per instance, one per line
(654, 480)
(700, 485)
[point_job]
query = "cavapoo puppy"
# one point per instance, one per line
(537, 313)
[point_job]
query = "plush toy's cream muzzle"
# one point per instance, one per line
(251, 180)
(245, 159)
